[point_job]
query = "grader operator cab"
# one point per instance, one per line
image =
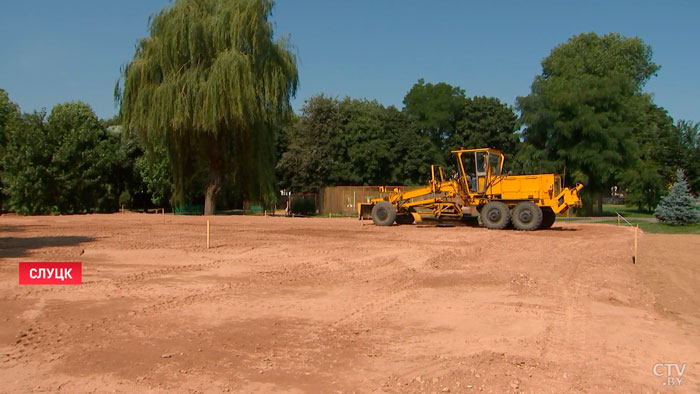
(528, 202)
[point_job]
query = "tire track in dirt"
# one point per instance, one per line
(36, 338)
(565, 340)
(255, 280)
(130, 280)
(359, 334)
(376, 307)
(25, 346)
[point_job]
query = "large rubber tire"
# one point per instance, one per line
(495, 215)
(548, 218)
(405, 218)
(526, 216)
(383, 213)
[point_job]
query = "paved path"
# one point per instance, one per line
(598, 219)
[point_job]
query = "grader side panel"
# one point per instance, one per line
(543, 190)
(522, 187)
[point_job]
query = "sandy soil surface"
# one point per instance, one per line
(328, 305)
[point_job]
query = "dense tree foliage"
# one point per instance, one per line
(9, 117)
(689, 136)
(126, 175)
(353, 142)
(435, 108)
(485, 122)
(27, 179)
(213, 83)
(360, 142)
(154, 168)
(204, 110)
(377, 145)
(305, 163)
(582, 110)
(452, 120)
(9, 113)
(646, 180)
(63, 163)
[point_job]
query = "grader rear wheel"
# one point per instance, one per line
(383, 213)
(526, 216)
(495, 215)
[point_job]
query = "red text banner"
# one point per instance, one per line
(50, 273)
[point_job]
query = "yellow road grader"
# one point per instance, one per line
(527, 202)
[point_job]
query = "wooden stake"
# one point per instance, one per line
(618, 220)
(636, 230)
(207, 234)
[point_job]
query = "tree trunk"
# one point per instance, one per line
(587, 206)
(214, 177)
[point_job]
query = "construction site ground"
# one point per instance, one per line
(331, 305)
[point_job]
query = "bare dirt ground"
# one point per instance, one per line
(327, 305)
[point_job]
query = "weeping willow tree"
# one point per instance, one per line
(211, 83)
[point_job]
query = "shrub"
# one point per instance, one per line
(125, 199)
(677, 207)
(302, 205)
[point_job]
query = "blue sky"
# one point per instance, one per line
(53, 51)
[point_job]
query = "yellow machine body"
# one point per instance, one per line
(478, 182)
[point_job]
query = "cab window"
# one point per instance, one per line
(495, 164)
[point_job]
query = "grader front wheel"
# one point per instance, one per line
(548, 218)
(383, 213)
(526, 216)
(405, 218)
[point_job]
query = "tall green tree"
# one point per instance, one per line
(689, 135)
(28, 176)
(154, 168)
(413, 152)
(61, 163)
(451, 120)
(211, 80)
(306, 162)
(485, 122)
(9, 113)
(353, 142)
(362, 150)
(9, 117)
(141, 171)
(582, 109)
(664, 148)
(378, 145)
(435, 108)
(126, 175)
(83, 157)
(658, 156)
